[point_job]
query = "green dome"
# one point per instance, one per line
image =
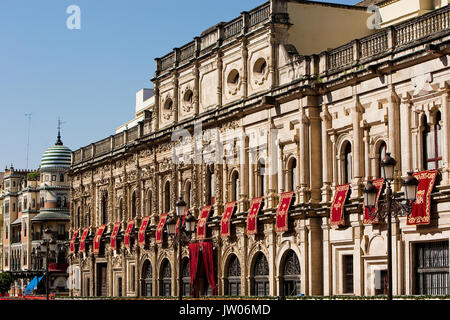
(56, 157)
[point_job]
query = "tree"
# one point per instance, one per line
(6, 281)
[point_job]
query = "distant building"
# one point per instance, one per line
(34, 201)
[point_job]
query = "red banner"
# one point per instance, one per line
(201, 225)
(159, 229)
(97, 238)
(182, 221)
(83, 239)
(337, 206)
(142, 229)
(225, 226)
(252, 227)
(282, 212)
(208, 260)
(114, 235)
(420, 213)
(126, 240)
(370, 214)
(72, 242)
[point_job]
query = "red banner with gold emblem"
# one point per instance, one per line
(159, 229)
(97, 238)
(83, 239)
(126, 239)
(201, 225)
(182, 221)
(282, 211)
(114, 235)
(370, 214)
(142, 229)
(252, 227)
(420, 213)
(225, 222)
(337, 205)
(72, 242)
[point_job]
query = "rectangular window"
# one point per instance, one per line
(381, 282)
(432, 268)
(347, 264)
(132, 276)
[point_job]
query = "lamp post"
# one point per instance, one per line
(391, 206)
(48, 244)
(183, 231)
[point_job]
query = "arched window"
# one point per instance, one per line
(120, 211)
(188, 194)
(292, 175)
(260, 276)
(211, 185)
(167, 197)
(347, 163)
(262, 177)
(233, 277)
(79, 217)
(88, 218)
(186, 278)
(381, 154)
(165, 283)
(147, 279)
(104, 208)
(235, 186)
(291, 275)
(432, 148)
(133, 205)
(149, 204)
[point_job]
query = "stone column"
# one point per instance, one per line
(304, 151)
(176, 102)
(314, 154)
(366, 139)
(405, 127)
(271, 166)
(196, 92)
(315, 261)
(327, 263)
(219, 78)
(393, 128)
(335, 158)
(156, 110)
(358, 159)
(243, 173)
(445, 133)
(281, 170)
(326, 155)
(244, 52)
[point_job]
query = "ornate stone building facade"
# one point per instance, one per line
(264, 108)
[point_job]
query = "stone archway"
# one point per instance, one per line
(291, 275)
(260, 276)
(233, 277)
(147, 279)
(165, 279)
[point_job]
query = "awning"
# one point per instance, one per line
(337, 205)
(370, 214)
(282, 212)
(142, 229)
(201, 225)
(159, 229)
(126, 240)
(72, 242)
(252, 226)
(182, 221)
(225, 222)
(97, 238)
(33, 284)
(114, 235)
(83, 240)
(420, 213)
(17, 221)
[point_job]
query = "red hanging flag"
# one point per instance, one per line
(97, 238)
(282, 212)
(72, 242)
(194, 253)
(252, 227)
(420, 213)
(114, 235)
(83, 239)
(225, 226)
(126, 240)
(142, 229)
(370, 214)
(337, 205)
(201, 225)
(208, 260)
(159, 229)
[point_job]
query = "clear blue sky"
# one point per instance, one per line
(88, 77)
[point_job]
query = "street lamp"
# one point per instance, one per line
(47, 245)
(386, 209)
(183, 231)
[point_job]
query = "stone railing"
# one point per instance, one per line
(214, 37)
(386, 40)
